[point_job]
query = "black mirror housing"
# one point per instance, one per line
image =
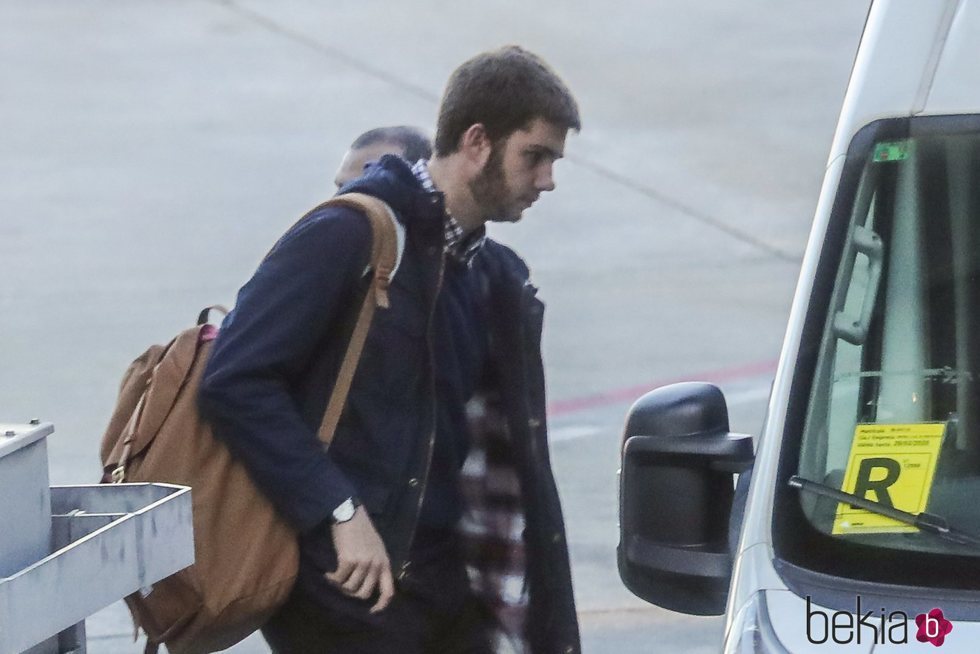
(676, 492)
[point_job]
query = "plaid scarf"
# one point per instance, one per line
(492, 526)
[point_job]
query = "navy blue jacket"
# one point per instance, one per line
(273, 365)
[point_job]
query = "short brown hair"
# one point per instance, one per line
(504, 90)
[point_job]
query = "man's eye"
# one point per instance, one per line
(534, 157)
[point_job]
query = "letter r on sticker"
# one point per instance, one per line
(870, 479)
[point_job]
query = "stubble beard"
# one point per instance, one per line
(489, 189)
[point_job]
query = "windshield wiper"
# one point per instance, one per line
(927, 522)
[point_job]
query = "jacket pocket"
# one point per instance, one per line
(394, 355)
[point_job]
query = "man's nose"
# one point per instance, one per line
(546, 178)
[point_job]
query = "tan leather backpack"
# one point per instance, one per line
(246, 555)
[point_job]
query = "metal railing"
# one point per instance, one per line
(69, 551)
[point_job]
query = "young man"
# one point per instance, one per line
(393, 558)
(410, 143)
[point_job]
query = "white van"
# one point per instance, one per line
(861, 523)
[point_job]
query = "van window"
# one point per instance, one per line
(899, 354)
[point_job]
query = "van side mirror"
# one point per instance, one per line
(675, 493)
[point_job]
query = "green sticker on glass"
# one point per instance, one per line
(892, 151)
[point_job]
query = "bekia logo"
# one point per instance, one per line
(844, 628)
(933, 627)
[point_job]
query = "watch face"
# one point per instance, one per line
(345, 511)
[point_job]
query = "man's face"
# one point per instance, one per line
(518, 170)
(354, 161)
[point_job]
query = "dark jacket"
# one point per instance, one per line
(272, 369)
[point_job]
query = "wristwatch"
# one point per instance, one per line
(345, 511)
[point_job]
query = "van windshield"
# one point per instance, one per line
(893, 410)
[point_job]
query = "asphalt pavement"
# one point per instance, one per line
(151, 152)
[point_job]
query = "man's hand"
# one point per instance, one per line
(362, 561)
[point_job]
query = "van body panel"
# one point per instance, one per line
(792, 619)
(962, 640)
(788, 617)
(957, 77)
(895, 63)
(754, 566)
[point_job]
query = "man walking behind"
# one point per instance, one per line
(403, 548)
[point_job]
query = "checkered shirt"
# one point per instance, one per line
(460, 246)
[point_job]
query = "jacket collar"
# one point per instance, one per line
(391, 179)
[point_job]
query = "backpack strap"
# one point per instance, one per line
(387, 243)
(205, 316)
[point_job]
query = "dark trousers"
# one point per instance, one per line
(433, 612)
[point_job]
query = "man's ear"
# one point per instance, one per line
(475, 145)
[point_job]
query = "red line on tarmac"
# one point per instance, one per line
(618, 396)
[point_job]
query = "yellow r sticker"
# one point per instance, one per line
(891, 464)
